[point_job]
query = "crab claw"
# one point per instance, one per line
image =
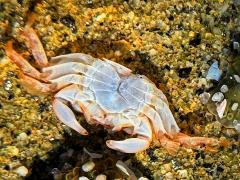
(133, 145)
(65, 115)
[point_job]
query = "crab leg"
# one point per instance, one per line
(163, 109)
(21, 62)
(59, 70)
(34, 86)
(69, 79)
(154, 117)
(34, 43)
(79, 79)
(73, 57)
(147, 110)
(94, 71)
(192, 142)
(133, 145)
(65, 115)
(160, 107)
(92, 112)
(114, 121)
(171, 146)
(82, 101)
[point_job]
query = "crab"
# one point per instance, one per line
(107, 93)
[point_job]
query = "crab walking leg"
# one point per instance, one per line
(59, 70)
(92, 112)
(118, 122)
(159, 105)
(163, 109)
(91, 71)
(34, 43)
(192, 142)
(82, 101)
(74, 57)
(144, 108)
(77, 79)
(34, 86)
(133, 145)
(21, 62)
(69, 79)
(171, 146)
(66, 116)
(153, 115)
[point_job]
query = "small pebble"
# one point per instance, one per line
(169, 175)
(214, 73)
(88, 166)
(21, 171)
(234, 106)
(22, 136)
(218, 97)
(229, 132)
(236, 125)
(235, 45)
(91, 154)
(152, 52)
(101, 177)
(220, 108)
(182, 173)
(124, 168)
(142, 178)
(83, 178)
(237, 78)
(204, 97)
(224, 89)
(7, 85)
(12, 150)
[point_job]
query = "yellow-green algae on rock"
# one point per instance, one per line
(172, 42)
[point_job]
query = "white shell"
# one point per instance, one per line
(88, 166)
(101, 177)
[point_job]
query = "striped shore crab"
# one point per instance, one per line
(107, 93)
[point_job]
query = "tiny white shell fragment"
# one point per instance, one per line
(101, 177)
(21, 171)
(88, 166)
(236, 125)
(235, 45)
(237, 78)
(204, 97)
(142, 178)
(224, 88)
(218, 97)
(125, 169)
(92, 155)
(234, 106)
(83, 178)
(183, 174)
(221, 108)
(22, 136)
